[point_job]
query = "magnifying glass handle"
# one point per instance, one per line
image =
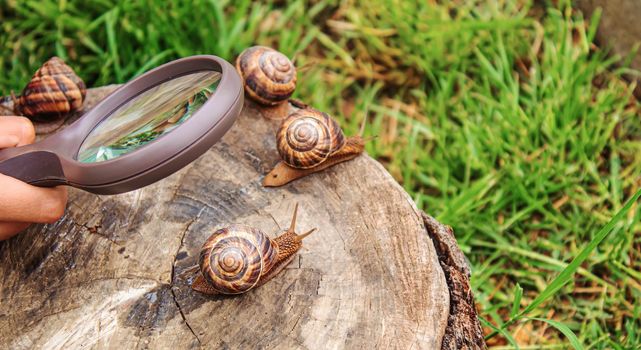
(39, 168)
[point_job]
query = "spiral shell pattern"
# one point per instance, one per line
(234, 258)
(307, 138)
(269, 76)
(54, 90)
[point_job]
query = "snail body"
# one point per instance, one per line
(239, 258)
(309, 141)
(54, 91)
(269, 78)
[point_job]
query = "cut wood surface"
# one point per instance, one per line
(115, 271)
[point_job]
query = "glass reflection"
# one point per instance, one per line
(148, 116)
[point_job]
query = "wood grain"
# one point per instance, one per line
(115, 271)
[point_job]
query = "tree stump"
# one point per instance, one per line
(115, 271)
(618, 30)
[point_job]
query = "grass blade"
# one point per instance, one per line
(566, 274)
(502, 331)
(516, 304)
(563, 329)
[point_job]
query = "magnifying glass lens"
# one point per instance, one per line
(148, 116)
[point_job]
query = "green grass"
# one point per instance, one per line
(501, 118)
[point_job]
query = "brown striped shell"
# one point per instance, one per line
(54, 90)
(234, 258)
(307, 138)
(268, 75)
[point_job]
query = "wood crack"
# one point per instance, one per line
(295, 324)
(95, 231)
(182, 314)
(173, 272)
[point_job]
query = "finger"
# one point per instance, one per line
(20, 127)
(10, 229)
(25, 203)
(7, 141)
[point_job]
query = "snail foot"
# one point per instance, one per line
(200, 285)
(283, 174)
(277, 112)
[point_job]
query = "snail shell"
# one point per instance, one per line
(307, 138)
(238, 258)
(269, 76)
(54, 90)
(233, 259)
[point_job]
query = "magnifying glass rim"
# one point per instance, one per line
(104, 119)
(156, 159)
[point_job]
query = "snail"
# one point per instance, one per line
(269, 78)
(309, 141)
(54, 91)
(239, 258)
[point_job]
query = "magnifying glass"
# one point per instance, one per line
(143, 132)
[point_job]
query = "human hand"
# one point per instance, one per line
(22, 204)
